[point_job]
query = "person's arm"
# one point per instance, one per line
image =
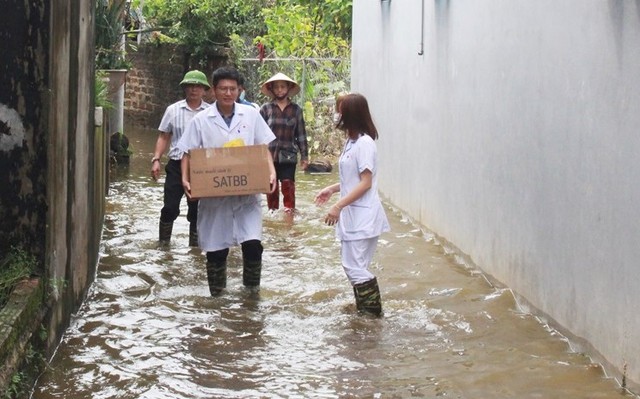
(164, 139)
(184, 167)
(366, 178)
(272, 174)
(300, 136)
(264, 135)
(323, 195)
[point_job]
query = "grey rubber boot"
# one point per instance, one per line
(216, 277)
(368, 297)
(165, 231)
(193, 235)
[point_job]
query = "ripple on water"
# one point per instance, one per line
(149, 328)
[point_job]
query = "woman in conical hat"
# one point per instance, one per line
(286, 120)
(267, 86)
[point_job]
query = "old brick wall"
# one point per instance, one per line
(153, 82)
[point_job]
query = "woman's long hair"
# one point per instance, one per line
(355, 116)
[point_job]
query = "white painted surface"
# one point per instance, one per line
(515, 136)
(12, 135)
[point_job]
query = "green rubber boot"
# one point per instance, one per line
(368, 297)
(216, 277)
(251, 271)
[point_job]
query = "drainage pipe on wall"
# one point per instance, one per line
(421, 51)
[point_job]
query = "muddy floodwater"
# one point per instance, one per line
(149, 328)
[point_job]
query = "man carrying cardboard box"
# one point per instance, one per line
(228, 220)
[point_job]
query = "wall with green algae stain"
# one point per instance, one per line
(52, 197)
(20, 319)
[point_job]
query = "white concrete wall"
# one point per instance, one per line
(516, 137)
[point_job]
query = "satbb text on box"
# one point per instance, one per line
(219, 172)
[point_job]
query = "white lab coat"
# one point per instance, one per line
(365, 217)
(227, 221)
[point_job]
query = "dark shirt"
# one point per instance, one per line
(288, 126)
(227, 119)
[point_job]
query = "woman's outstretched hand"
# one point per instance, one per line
(323, 196)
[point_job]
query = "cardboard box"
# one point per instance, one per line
(219, 172)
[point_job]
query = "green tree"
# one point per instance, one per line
(286, 26)
(203, 25)
(291, 30)
(332, 17)
(308, 40)
(110, 52)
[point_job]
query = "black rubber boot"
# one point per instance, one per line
(358, 300)
(368, 297)
(165, 231)
(193, 235)
(251, 271)
(216, 277)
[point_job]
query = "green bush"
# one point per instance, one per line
(16, 266)
(102, 91)
(109, 28)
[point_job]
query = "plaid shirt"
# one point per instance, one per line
(288, 126)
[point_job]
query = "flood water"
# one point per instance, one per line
(149, 328)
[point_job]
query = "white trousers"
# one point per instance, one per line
(356, 258)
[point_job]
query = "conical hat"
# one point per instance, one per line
(295, 88)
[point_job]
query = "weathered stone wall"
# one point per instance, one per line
(153, 82)
(52, 197)
(23, 123)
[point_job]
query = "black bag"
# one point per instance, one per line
(288, 155)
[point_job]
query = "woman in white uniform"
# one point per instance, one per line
(358, 214)
(227, 221)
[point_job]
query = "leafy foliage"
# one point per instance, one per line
(203, 25)
(292, 30)
(330, 17)
(21, 382)
(110, 53)
(309, 40)
(102, 91)
(16, 266)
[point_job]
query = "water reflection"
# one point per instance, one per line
(149, 329)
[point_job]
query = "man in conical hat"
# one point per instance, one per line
(286, 120)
